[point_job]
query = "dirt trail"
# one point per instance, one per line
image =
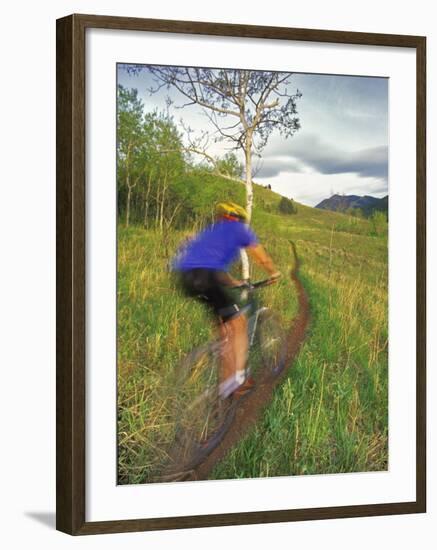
(252, 406)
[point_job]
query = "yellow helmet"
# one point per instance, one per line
(231, 209)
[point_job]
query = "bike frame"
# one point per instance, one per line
(252, 309)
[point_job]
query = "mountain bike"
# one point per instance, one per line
(202, 418)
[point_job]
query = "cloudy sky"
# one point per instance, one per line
(342, 146)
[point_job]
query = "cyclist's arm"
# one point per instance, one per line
(260, 256)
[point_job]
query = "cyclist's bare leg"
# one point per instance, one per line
(235, 344)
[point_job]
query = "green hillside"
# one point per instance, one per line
(330, 413)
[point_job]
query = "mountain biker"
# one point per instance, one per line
(203, 265)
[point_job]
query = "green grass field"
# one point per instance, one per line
(330, 414)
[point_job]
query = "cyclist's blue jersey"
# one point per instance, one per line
(216, 247)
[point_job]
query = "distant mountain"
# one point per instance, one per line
(342, 203)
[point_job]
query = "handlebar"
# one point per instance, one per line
(258, 284)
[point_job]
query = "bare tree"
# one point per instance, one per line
(227, 167)
(243, 107)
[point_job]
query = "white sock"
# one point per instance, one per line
(231, 383)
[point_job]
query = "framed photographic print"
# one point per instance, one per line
(240, 274)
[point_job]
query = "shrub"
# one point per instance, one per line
(287, 206)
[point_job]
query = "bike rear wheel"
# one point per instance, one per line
(201, 417)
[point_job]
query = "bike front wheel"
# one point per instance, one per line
(270, 346)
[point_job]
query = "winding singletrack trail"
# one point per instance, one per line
(251, 406)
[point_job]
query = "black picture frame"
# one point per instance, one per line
(71, 279)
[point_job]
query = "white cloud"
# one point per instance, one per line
(313, 152)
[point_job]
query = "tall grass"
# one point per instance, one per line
(330, 413)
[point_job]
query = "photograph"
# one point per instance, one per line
(216, 252)
(252, 273)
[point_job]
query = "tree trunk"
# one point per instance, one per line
(129, 192)
(128, 184)
(146, 214)
(249, 187)
(157, 204)
(146, 206)
(249, 200)
(164, 189)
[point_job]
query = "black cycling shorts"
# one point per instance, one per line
(209, 287)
